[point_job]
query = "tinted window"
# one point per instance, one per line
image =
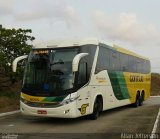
(115, 63)
(138, 64)
(123, 62)
(90, 49)
(103, 61)
(132, 64)
(82, 74)
(147, 66)
(112, 60)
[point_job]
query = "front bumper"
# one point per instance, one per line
(64, 111)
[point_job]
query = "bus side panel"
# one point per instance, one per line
(119, 86)
(102, 85)
(138, 82)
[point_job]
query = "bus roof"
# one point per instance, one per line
(125, 51)
(80, 42)
(67, 43)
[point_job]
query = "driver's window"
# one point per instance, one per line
(82, 74)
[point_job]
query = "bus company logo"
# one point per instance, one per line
(101, 79)
(135, 78)
(34, 99)
(83, 108)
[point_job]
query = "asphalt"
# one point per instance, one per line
(123, 122)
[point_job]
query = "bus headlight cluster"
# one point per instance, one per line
(67, 101)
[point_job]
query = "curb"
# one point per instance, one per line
(154, 96)
(9, 113)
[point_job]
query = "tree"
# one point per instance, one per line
(13, 43)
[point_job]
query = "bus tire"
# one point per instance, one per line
(137, 102)
(141, 99)
(96, 110)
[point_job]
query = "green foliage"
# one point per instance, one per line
(10, 94)
(13, 43)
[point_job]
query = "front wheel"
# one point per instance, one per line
(96, 110)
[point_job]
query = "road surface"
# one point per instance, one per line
(121, 122)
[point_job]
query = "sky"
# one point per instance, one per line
(131, 24)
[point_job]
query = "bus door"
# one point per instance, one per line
(83, 91)
(83, 101)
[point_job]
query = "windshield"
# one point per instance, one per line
(49, 72)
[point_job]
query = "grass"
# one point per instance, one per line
(9, 98)
(9, 95)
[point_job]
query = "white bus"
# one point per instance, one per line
(69, 79)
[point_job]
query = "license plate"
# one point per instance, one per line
(41, 112)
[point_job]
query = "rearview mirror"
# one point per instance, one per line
(14, 64)
(76, 60)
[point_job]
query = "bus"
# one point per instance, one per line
(69, 79)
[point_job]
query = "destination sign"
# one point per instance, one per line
(40, 52)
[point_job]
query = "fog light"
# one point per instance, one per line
(66, 111)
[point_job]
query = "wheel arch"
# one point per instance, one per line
(100, 97)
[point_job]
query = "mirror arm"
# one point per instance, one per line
(76, 60)
(14, 64)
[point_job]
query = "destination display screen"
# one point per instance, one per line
(36, 52)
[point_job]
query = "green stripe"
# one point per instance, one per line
(119, 85)
(54, 99)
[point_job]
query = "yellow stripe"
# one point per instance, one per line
(32, 98)
(125, 51)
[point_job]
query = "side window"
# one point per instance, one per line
(132, 66)
(91, 49)
(103, 61)
(147, 66)
(140, 65)
(143, 65)
(82, 74)
(115, 61)
(124, 62)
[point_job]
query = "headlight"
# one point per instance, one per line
(67, 101)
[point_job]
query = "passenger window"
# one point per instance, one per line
(132, 66)
(115, 63)
(123, 62)
(103, 61)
